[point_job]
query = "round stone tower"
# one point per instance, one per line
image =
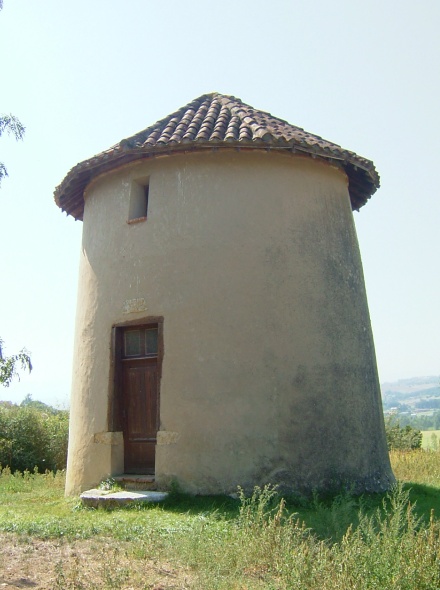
(223, 335)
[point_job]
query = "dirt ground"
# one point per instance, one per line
(98, 564)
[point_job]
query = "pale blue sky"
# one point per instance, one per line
(82, 75)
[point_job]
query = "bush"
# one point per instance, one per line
(33, 437)
(404, 438)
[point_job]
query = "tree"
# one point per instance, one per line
(10, 365)
(12, 126)
(403, 438)
(33, 434)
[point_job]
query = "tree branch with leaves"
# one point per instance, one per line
(11, 365)
(12, 126)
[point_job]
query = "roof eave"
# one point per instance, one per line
(69, 195)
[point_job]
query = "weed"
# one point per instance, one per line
(256, 542)
(110, 485)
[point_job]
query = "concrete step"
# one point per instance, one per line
(132, 481)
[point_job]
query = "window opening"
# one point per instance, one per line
(138, 207)
(151, 342)
(141, 342)
(132, 343)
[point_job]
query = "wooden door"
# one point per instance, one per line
(140, 403)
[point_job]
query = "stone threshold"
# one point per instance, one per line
(95, 497)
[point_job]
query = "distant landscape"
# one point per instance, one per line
(414, 395)
(414, 402)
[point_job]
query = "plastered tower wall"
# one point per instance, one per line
(269, 370)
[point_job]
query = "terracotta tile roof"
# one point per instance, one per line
(217, 121)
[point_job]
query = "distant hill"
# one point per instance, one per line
(415, 395)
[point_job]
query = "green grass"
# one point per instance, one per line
(345, 542)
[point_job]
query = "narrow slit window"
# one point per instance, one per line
(138, 208)
(146, 193)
